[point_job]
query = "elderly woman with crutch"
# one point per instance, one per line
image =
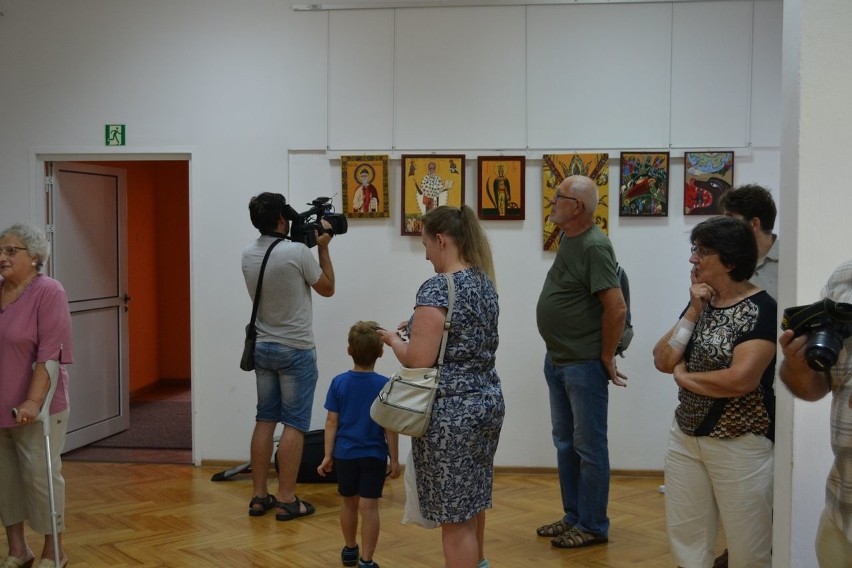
(35, 342)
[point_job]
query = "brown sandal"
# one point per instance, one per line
(554, 529)
(575, 538)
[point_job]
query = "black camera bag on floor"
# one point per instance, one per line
(312, 455)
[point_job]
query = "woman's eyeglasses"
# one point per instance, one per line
(11, 251)
(702, 252)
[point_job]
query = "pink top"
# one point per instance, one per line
(34, 328)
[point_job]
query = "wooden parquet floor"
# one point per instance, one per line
(130, 514)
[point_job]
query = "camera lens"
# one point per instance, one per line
(824, 345)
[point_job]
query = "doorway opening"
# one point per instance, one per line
(157, 234)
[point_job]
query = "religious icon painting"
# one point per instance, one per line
(364, 182)
(644, 187)
(501, 187)
(429, 181)
(554, 169)
(706, 176)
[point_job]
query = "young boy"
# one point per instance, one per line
(357, 446)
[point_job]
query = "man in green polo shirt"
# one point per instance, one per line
(580, 315)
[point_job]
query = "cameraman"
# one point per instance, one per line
(834, 535)
(285, 354)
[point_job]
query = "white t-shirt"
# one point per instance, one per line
(285, 313)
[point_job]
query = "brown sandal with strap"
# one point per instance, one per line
(554, 529)
(575, 538)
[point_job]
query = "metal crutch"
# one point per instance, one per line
(52, 367)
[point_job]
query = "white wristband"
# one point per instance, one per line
(681, 334)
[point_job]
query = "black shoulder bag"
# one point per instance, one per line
(247, 360)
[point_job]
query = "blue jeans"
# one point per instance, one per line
(286, 381)
(579, 399)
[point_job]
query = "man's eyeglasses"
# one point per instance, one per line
(557, 196)
(702, 252)
(11, 251)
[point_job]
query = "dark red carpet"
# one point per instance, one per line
(154, 424)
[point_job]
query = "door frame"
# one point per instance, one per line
(38, 209)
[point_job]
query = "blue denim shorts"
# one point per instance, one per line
(286, 381)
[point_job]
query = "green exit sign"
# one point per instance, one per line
(114, 134)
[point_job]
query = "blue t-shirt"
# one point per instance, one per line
(350, 396)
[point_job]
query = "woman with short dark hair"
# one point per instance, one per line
(721, 353)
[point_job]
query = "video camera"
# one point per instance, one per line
(827, 324)
(302, 225)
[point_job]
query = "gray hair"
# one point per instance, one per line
(586, 191)
(34, 239)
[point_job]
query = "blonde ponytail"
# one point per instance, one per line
(461, 224)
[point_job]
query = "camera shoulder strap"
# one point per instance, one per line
(257, 290)
(793, 321)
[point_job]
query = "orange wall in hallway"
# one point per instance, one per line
(158, 270)
(172, 183)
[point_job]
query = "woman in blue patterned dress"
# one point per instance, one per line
(454, 460)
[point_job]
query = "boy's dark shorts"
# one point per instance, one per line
(364, 477)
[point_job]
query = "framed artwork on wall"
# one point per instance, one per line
(554, 169)
(644, 186)
(706, 176)
(364, 182)
(429, 181)
(500, 182)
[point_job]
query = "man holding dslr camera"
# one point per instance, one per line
(285, 354)
(811, 378)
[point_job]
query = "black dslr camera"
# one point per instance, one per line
(302, 225)
(827, 324)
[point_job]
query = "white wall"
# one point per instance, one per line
(815, 220)
(244, 89)
(575, 96)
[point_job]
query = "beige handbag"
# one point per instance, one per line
(404, 404)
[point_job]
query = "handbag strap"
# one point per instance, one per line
(256, 303)
(451, 293)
